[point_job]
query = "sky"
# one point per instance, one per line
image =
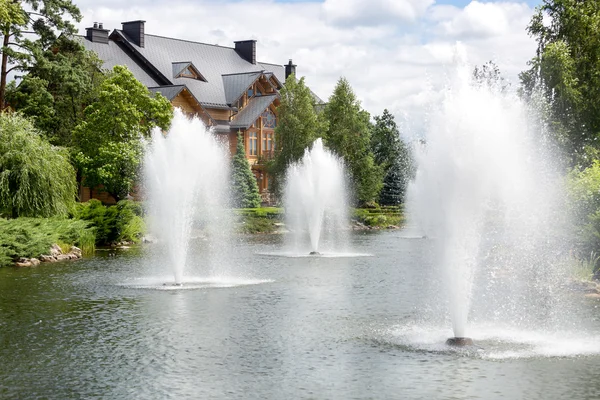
(396, 54)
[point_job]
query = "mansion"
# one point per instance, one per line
(224, 86)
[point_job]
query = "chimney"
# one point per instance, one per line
(135, 31)
(247, 50)
(290, 68)
(97, 34)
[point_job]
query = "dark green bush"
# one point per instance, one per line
(121, 222)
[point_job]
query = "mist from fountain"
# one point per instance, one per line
(186, 173)
(487, 196)
(316, 202)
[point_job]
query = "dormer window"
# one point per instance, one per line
(187, 70)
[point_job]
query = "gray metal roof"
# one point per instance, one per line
(252, 111)
(210, 60)
(170, 92)
(113, 54)
(236, 84)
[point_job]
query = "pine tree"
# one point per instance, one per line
(244, 189)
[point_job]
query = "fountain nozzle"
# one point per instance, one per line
(459, 341)
(314, 253)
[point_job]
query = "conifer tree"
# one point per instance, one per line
(244, 189)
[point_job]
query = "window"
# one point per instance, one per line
(267, 142)
(269, 119)
(252, 143)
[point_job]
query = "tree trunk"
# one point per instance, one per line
(3, 73)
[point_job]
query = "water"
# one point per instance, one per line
(185, 171)
(486, 191)
(316, 202)
(316, 328)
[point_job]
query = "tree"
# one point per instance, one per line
(244, 189)
(60, 83)
(567, 68)
(392, 156)
(298, 125)
(36, 178)
(348, 135)
(19, 20)
(489, 75)
(108, 141)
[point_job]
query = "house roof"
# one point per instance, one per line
(252, 111)
(154, 65)
(236, 84)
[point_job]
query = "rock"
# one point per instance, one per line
(34, 262)
(55, 250)
(46, 258)
(592, 295)
(23, 262)
(62, 257)
(76, 251)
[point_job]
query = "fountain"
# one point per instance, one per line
(486, 194)
(186, 171)
(315, 200)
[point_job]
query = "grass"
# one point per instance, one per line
(585, 268)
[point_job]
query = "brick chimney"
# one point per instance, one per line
(290, 68)
(247, 50)
(97, 33)
(135, 31)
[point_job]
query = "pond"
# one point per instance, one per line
(289, 328)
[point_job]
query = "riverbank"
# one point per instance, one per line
(25, 241)
(272, 219)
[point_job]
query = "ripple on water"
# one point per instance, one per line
(492, 342)
(191, 283)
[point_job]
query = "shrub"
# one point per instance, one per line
(32, 237)
(121, 222)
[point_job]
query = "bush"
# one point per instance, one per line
(379, 217)
(32, 237)
(122, 222)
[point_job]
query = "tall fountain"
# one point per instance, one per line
(316, 201)
(486, 195)
(186, 174)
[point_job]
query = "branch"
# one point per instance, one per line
(12, 68)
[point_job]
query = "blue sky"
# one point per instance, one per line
(396, 54)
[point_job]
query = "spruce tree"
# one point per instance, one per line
(393, 156)
(244, 189)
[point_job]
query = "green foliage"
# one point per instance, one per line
(584, 199)
(393, 156)
(568, 70)
(348, 135)
(259, 220)
(109, 139)
(379, 217)
(244, 189)
(36, 178)
(298, 125)
(47, 19)
(32, 237)
(122, 222)
(61, 82)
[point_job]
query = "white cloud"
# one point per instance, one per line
(387, 65)
(373, 12)
(480, 20)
